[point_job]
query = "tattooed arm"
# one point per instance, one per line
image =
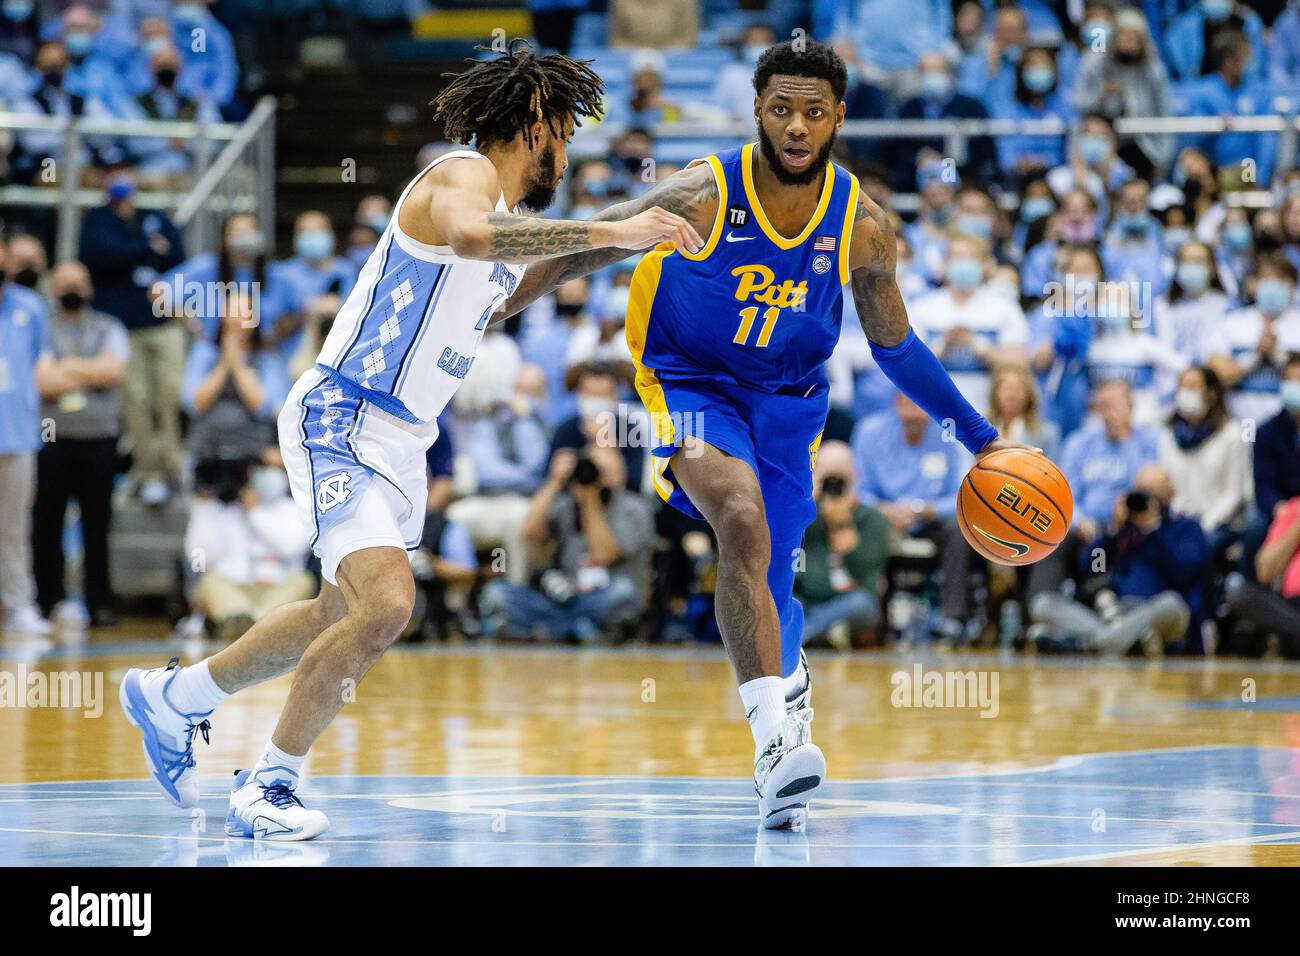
(901, 355)
(691, 193)
(462, 213)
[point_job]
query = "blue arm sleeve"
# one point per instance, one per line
(912, 367)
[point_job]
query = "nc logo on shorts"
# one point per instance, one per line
(332, 491)
(821, 265)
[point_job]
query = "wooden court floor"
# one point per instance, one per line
(641, 756)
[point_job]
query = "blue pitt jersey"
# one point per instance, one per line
(752, 307)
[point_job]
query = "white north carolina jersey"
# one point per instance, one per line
(408, 331)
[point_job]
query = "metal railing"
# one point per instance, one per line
(240, 177)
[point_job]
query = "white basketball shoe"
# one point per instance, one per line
(788, 772)
(263, 806)
(800, 705)
(168, 732)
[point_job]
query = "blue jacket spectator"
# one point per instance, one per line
(988, 72)
(208, 50)
(509, 451)
(126, 249)
(314, 270)
(1277, 448)
(95, 69)
(1231, 90)
(18, 29)
(1188, 41)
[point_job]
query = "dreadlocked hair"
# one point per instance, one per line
(495, 99)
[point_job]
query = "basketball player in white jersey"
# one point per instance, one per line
(354, 430)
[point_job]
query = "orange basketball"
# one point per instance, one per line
(1014, 507)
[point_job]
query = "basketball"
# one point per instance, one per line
(1014, 507)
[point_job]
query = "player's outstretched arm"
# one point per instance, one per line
(901, 355)
(691, 194)
(462, 212)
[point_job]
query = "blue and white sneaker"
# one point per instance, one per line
(263, 806)
(168, 732)
(787, 775)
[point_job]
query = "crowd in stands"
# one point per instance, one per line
(1127, 302)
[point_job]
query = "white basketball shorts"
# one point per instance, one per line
(357, 473)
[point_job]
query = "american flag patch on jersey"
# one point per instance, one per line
(824, 244)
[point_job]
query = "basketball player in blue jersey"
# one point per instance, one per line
(355, 429)
(730, 343)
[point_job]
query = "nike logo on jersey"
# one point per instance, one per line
(732, 237)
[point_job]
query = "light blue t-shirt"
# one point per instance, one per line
(23, 331)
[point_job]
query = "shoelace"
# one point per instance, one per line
(281, 797)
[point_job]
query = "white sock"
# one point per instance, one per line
(794, 685)
(764, 707)
(273, 756)
(193, 691)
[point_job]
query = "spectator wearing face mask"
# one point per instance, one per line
(603, 417)
(93, 69)
(1036, 96)
(507, 453)
(54, 92)
(1129, 79)
(372, 214)
(158, 158)
(25, 264)
(1134, 245)
(18, 29)
(1234, 251)
(250, 544)
(734, 93)
(79, 382)
(1124, 347)
(1037, 204)
(126, 249)
(313, 271)
(1190, 39)
(194, 290)
(968, 326)
(927, 235)
(1201, 448)
(23, 341)
(1234, 88)
(1060, 332)
(845, 550)
(1258, 340)
(212, 68)
(938, 98)
(1191, 317)
(545, 343)
(1074, 224)
(604, 341)
(1092, 164)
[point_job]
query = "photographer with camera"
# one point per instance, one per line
(845, 550)
(1143, 578)
(246, 542)
(600, 538)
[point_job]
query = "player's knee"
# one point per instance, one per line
(384, 611)
(740, 524)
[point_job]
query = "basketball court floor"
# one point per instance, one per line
(519, 755)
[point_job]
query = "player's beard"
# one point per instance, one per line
(544, 182)
(783, 175)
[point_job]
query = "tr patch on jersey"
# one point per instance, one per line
(737, 216)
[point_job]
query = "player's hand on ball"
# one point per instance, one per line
(1001, 444)
(653, 226)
